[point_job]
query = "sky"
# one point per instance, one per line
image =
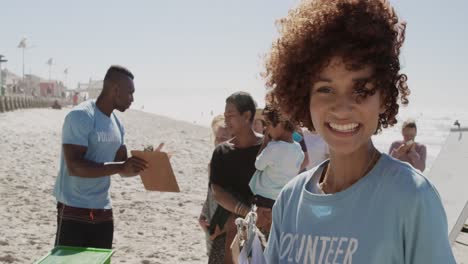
(188, 56)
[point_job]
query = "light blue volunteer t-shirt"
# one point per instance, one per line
(392, 215)
(276, 165)
(87, 126)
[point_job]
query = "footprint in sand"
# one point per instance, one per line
(8, 259)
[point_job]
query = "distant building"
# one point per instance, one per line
(11, 82)
(51, 89)
(92, 88)
(95, 88)
(32, 84)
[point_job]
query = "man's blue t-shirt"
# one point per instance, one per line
(392, 215)
(87, 126)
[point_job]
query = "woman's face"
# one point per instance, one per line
(258, 126)
(340, 113)
(409, 133)
(221, 134)
(235, 121)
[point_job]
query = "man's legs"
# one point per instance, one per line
(73, 232)
(100, 235)
(82, 234)
(70, 233)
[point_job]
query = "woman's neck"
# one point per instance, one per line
(344, 170)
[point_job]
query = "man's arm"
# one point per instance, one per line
(121, 154)
(79, 166)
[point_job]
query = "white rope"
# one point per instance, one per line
(247, 230)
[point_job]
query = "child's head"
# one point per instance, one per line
(323, 36)
(259, 122)
(276, 124)
(220, 132)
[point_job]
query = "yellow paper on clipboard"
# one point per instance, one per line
(159, 175)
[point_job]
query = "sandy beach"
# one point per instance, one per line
(150, 227)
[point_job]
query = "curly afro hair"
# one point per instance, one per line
(362, 32)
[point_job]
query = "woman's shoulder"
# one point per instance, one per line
(402, 177)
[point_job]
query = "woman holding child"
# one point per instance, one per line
(335, 68)
(232, 166)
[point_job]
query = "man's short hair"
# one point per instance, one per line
(244, 102)
(117, 69)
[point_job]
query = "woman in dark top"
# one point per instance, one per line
(232, 166)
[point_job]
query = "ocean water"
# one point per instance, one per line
(433, 129)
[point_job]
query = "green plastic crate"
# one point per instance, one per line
(77, 255)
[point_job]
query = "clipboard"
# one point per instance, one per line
(159, 175)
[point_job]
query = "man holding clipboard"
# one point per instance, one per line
(92, 150)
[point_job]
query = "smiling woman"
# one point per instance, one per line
(335, 68)
(344, 104)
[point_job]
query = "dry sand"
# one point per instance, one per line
(150, 227)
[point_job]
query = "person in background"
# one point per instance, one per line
(75, 99)
(56, 105)
(408, 149)
(317, 148)
(335, 68)
(93, 149)
(221, 134)
(232, 166)
(298, 136)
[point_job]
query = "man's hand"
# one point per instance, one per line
(133, 166)
(203, 223)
